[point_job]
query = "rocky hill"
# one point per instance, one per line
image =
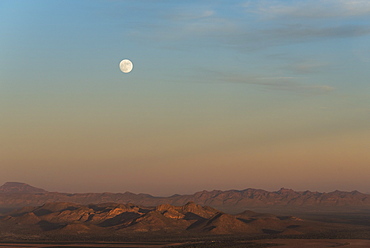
(60, 219)
(15, 195)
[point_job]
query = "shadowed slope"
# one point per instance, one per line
(109, 219)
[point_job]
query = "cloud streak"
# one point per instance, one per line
(221, 31)
(285, 84)
(191, 15)
(279, 83)
(186, 25)
(306, 67)
(291, 34)
(309, 9)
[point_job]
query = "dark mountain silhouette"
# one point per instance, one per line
(16, 195)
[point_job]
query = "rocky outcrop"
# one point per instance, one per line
(62, 218)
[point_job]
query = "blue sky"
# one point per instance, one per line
(240, 93)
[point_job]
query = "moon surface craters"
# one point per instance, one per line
(126, 66)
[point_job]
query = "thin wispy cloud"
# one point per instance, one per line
(309, 9)
(288, 22)
(250, 40)
(306, 67)
(207, 25)
(211, 26)
(302, 32)
(191, 15)
(187, 25)
(290, 84)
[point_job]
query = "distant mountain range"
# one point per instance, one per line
(15, 195)
(15, 187)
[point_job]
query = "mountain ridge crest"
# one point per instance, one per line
(232, 201)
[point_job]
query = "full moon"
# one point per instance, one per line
(126, 66)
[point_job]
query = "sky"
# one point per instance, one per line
(223, 95)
